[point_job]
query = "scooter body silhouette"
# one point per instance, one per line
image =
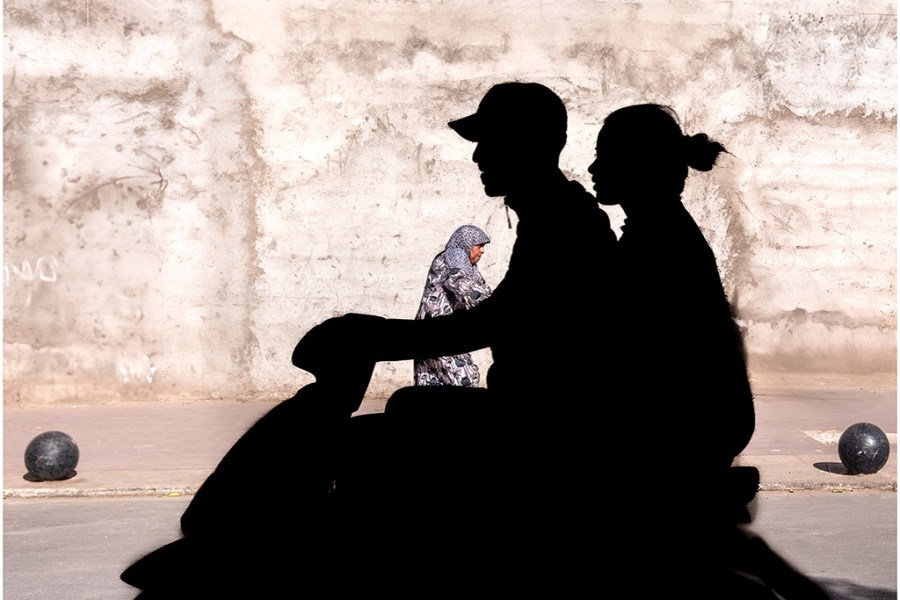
(314, 495)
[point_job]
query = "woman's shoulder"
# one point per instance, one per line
(438, 263)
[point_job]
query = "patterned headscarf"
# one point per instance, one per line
(457, 252)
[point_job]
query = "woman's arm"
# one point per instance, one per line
(466, 291)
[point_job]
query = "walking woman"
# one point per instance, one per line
(454, 283)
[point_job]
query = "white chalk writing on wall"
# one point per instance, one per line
(45, 269)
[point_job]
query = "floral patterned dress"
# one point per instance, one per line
(453, 284)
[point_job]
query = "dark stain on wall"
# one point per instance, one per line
(368, 57)
(418, 42)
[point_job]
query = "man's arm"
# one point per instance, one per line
(361, 337)
(460, 332)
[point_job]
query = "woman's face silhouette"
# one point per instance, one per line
(640, 158)
(610, 171)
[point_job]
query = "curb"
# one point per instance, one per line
(99, 492)
(178, 491)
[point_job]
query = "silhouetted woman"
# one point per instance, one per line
(454, 283)
(681, 380)
(679, 333)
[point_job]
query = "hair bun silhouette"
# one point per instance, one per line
(700, 152)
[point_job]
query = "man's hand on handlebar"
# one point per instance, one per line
(338, 344)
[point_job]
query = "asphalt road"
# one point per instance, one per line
(75, 548)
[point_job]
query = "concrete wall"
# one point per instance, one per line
(190, 185)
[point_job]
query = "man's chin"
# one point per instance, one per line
(605, 199)
(494, 191)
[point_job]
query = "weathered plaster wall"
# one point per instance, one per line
(189, 186)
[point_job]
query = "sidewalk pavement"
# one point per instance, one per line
(169, 448)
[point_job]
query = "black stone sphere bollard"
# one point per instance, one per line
(863, 448)
(51, 456)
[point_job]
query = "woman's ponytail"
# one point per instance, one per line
(700, 152)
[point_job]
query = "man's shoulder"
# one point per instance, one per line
(569, 213)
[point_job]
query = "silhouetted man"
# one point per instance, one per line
(539, 311)
(399, 493)
(475, 460)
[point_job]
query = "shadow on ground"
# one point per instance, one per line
(840, 589)
(832, 467)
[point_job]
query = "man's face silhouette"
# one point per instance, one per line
(505, 162)
(520, 128)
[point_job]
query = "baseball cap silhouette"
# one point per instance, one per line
(516, 108)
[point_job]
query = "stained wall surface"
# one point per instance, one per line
(191, 185)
